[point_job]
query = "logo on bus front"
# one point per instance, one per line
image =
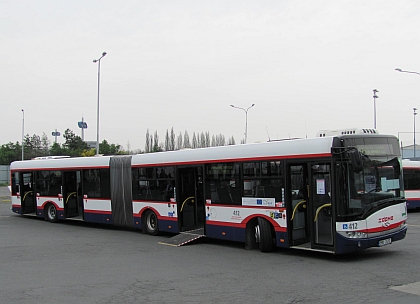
(385, 221)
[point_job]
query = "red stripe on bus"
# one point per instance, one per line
(247, 207)
(231, 160)
(59, 168)
(97, 211)
(240, 225)
(380, 229)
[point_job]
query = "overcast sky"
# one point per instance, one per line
(306, 65)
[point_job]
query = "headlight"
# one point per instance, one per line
(356, 234)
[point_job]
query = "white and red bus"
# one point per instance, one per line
(411, 173)
(334, 194)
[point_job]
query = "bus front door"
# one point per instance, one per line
(321, 208)
(190, 198)
(72, 199)
(27, 193)
(310, 216)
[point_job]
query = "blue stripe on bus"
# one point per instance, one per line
(95, 217)
(164, 225)
(413, 203)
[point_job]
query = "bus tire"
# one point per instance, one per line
(151, 223)
(51, 213)
(251, 234)
(265, 237)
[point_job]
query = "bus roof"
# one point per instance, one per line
(297, 148)
(314, 147)
(348, 131)
(407, 163)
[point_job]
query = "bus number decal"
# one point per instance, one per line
(236, 216)
(351, 226)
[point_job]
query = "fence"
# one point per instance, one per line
(4, 174)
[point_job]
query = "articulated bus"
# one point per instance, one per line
(411, 173)
(335, 194)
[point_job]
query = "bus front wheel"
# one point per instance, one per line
(52, 215)
(264, 235)
(151, 224)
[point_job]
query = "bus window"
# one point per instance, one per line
(411, 179)
(222, 183)
(48, 183)
(96, 183)
(154, 183)
(263, 180)
(15, 183)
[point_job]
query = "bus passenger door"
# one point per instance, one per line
(27, 193)
(190, 198)
(70, 194)
(298, 200)
(320, 196)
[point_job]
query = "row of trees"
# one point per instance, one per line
(38, 146)
(172, 142)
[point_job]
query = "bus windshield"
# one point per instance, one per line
(373, 185)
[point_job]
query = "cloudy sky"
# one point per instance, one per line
(306, 65)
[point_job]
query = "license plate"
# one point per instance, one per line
(384, 242)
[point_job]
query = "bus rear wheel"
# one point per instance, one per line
(52, 215)
(264, 235)
(151, 224)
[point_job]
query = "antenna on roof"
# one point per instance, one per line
(267, 133)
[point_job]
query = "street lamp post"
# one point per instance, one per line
(246, 118)
(414, 136)
(23, 128)
(97, 111)
(374, 107)
(399, 70)
(414, 109)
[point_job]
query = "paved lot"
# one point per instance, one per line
(4, 193)
(75, 262)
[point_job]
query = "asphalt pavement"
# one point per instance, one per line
(4, 194)
(78, 262)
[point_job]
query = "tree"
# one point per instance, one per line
(104, 147)
(45, 144)
(194, 142)
(167, 141)
(213, 141)
(187, 143)
(10, 152)
(74, 144)
(56, 150)
(172, 140)
(147, 145)
(36, 145)
(89, 152)
(156, 146)
(109, 149)
(202, 140)
(208, 144)
(179, 142)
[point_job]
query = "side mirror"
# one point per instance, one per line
(356, 161)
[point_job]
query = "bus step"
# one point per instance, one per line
(184, 238)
